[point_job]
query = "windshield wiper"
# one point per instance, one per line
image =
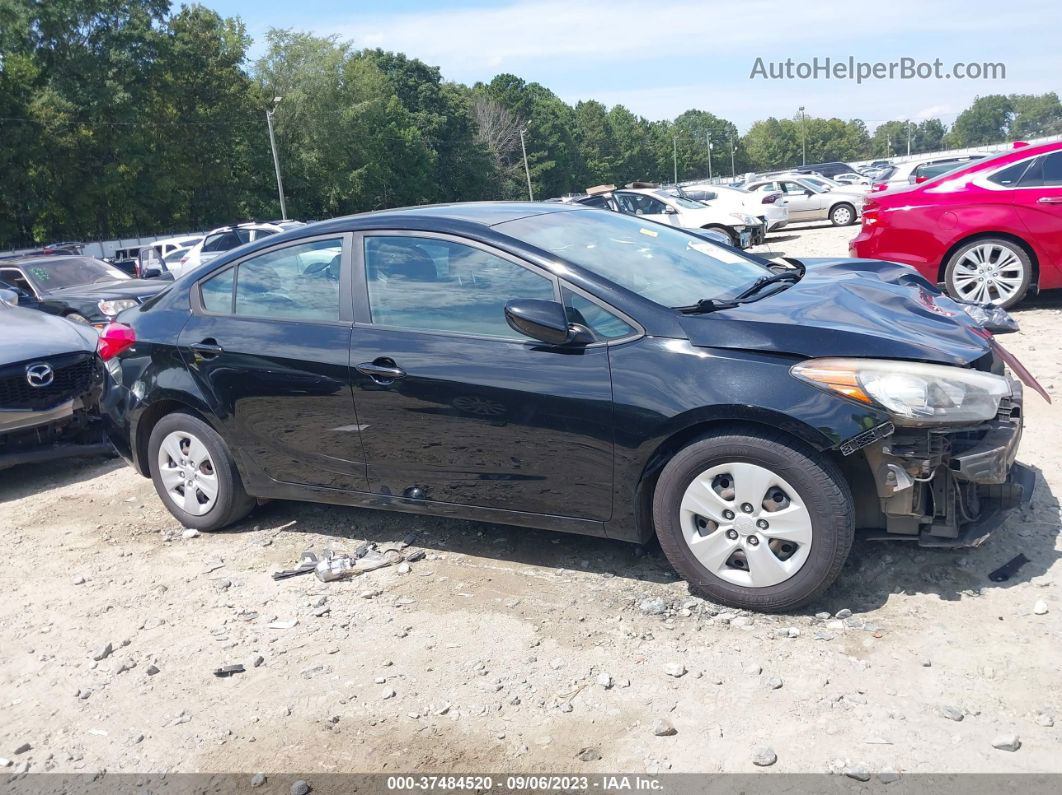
(764, 281)
(706, 305)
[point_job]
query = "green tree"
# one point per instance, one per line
(1035, 115)
(986, 121)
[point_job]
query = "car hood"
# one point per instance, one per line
(30, 334)
(120, 288)
(846, 307)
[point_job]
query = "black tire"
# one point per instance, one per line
(735, 241)
(232, 504)
(820, 486)
(843, 214)
(1009, 245)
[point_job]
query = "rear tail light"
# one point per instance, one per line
(879, 186)
(115, 338)
(770, 198)
(920, 180)
(870, 212)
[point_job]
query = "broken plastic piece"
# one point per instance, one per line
(1008, 569)
(229, 670)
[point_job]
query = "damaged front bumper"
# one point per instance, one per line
(950, 487)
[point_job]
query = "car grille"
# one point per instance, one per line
(74, 374)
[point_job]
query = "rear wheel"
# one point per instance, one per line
(842, 215)
(754, 521)
(989, 271)
(195, 475)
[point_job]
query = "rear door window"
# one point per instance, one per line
(1010, 176)
(299, 282)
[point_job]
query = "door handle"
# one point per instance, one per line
(206, 349)
(1049, 200)
(383, 371)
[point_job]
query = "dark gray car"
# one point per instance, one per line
(50, 385)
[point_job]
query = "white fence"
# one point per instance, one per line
(106, 248)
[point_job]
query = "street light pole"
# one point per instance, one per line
(527, 169)
(674, 158)
(708, 140)
(803, 139)
(276, 159)
(733, 148)
(908, 137)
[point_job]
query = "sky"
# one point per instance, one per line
(661, 58)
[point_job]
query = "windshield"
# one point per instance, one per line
(815, 182)
(55, 274)
(662, 263)
(683, 201)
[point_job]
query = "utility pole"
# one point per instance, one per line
(803, 139)
(908, 137)
(527, 169)
(674, 157)
(733, 148)
(708, 140)
(276, 159)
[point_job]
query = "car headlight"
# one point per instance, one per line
(912, 392)
(744, 218)
(113, 307)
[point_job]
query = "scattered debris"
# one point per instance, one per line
(653, 607)
(675, 669)
(284, 624)
(664, 728)
(229, 670)
(764, 756)
(307, 563)
(258, 780)
(1040, 608)
(774, 682)
(1008, 569)
(1007, 742)
(300, 787)
(588, 754)
(190, 532)
(952, 713)
(604, 680)
(152, 670)
(103, 652)
(859, 772)
(23, 748)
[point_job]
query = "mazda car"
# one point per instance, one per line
(555, 366)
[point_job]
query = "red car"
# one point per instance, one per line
(989, 231)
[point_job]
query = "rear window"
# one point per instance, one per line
(223, 241)
(1011, 175)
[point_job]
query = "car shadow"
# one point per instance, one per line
(1051, 299)
(874, 572)
(25, 480)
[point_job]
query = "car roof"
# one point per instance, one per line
(37, 260)
(484, 213)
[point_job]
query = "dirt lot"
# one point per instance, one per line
(513, 650)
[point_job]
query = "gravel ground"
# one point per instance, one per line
(511, 649)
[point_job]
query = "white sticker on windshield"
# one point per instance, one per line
(719, 253)
(649, 232)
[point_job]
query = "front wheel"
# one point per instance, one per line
(843, 215)
(989, 271)
(195, 475)
(754, 521)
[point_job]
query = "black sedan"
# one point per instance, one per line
(560, 367)
(81, 289)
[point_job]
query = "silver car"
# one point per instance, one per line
(807, 200)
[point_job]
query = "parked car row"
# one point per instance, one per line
(729, 220)
(810, 198)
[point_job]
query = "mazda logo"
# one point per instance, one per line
(40, 374)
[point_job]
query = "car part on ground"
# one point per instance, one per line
(553, 366)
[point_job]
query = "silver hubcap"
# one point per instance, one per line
(187, 473)
(988, 274)
(746, 525)
(842, 215)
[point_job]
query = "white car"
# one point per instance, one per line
(913, 171)
(225, 238)
(656, 204)
(767, 207)
(810, 198)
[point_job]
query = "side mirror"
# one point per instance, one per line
(669, 210)
(545, 321)
(809, 192)
(9, 297)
